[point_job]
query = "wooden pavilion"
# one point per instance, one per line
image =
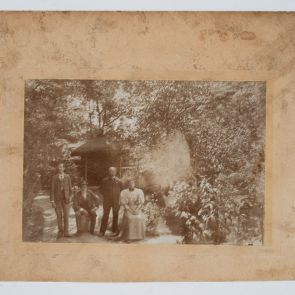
(97, 154)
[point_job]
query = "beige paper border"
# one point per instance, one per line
(93, 262)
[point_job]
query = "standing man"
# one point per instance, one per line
(85, 203)
(60, 198)
(110, 188)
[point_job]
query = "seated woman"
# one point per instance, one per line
(85, 203)
(133, 225)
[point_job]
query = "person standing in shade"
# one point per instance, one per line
(110, 189)
(85, 203)
(60, 198)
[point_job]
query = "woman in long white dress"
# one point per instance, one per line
(132, 200)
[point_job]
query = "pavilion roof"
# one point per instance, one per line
(100, 144)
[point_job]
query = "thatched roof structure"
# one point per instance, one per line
(99, 145)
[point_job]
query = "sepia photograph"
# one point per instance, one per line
(145, 162)
(147, 146)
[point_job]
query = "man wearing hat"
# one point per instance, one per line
(85, 203)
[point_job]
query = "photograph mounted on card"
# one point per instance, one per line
(147, 146)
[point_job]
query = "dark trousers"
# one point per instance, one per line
(62, 213)
(105, 218)
(92, 217)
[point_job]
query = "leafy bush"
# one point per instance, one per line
(209, 216)
(152, 213)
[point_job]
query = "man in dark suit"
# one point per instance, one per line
(60, 198)
(85, 203)
(110, 189)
